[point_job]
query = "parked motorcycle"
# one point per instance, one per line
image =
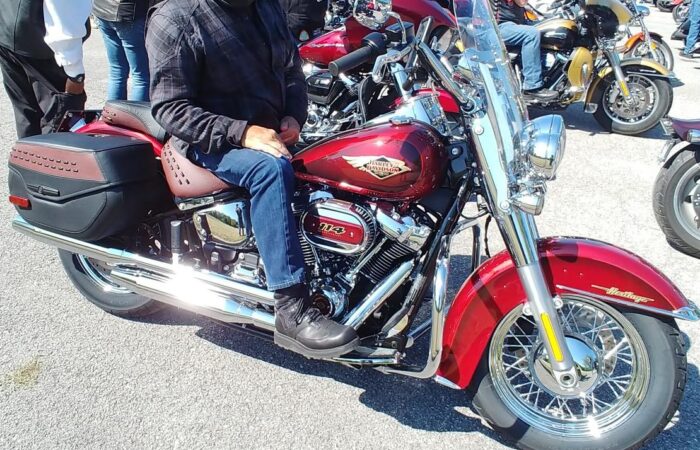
(677, 187)
(627, 96)
(567, 343)
(681, 11)
(668, 5)
(341, 101)
(645, 43)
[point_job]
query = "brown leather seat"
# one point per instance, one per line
(188, 180)
(135, 116)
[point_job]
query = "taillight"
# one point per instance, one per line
(20, 202)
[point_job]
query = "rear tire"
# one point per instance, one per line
(660, 340)
(665, 202)
(661, 106)
(94, 283)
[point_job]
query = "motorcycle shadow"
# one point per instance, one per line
(418, 404)
(576, 119)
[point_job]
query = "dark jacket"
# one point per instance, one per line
(215, 70)
(304, 15)
(121, 10)
(22, 28)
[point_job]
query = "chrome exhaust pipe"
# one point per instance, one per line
(192, 295)
(203, 292)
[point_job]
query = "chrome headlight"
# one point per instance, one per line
(544, 141)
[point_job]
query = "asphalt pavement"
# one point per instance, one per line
(72, 376)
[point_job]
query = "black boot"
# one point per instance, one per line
(540, 95)
(303, 329)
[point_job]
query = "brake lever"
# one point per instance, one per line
(391, 56)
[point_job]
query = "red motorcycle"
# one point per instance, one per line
(567, 342)
(340, 101)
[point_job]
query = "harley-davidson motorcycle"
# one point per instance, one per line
(626, 96)
(677, 187)
(645, 43)
(340, 101)
(567, 342)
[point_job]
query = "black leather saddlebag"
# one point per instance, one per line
(86, 187)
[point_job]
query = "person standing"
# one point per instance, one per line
(41, 59)
(692, 45)
(122, 23)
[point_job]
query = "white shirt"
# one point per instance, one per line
(65, 30)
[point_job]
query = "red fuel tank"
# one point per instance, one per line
(387, 161)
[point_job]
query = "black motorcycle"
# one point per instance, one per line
(677, 187)
(579, 52)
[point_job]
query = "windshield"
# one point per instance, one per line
(485, 55)
(485, 65)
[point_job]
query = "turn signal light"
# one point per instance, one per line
(20, 202)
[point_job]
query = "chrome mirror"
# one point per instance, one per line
(372, 14)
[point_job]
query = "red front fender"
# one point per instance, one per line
(568, 264)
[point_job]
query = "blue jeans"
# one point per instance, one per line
(270, 182)
(528, 39)
(126, 52)
(694, 31)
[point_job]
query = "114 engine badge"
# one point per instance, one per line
(381, 167)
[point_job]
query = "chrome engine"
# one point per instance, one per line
(344, 244)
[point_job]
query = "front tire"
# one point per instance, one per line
(92, 279)
(660, 52)
(647, 398)
(675, 187)
(652, 98)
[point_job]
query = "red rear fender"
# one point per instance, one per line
(570, 265)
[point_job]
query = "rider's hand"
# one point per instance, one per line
(289, 130)
(264, 140)
(73, 87)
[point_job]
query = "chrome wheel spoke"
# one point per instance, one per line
(610, 352)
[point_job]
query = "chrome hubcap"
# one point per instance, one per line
(610, 359)
(687, 201)
(98, 273)
(585, 361)
(640, 105)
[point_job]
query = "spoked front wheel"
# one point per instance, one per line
(656, 50)
(649, 101)
(631, 369)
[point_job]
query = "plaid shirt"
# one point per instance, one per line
(215, 69)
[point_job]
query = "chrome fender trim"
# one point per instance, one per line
(690, 312)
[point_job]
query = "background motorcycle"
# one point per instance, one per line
(627, 96)
(677, 187)
(567, 343)
(341, 101)
(681, 11)
(645, 43)
(668, 5)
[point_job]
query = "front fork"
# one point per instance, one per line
(520, 234)
(616, 65)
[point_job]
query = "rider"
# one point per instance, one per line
(510, 15)
(227, 85)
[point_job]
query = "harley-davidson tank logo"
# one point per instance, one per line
(624, 294)
(380, 167)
